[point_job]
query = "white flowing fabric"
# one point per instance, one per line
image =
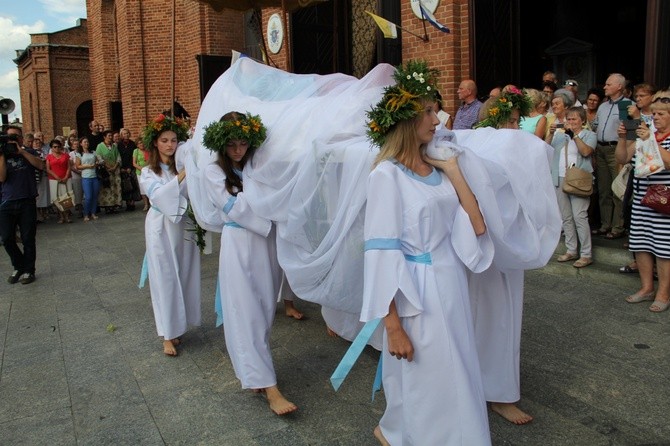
(310, 178)
(172, 256)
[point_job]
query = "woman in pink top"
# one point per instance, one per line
(58, 170)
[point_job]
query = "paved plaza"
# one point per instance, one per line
(81, 362)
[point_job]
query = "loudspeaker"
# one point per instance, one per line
(6, 106)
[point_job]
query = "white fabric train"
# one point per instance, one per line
(310, 177)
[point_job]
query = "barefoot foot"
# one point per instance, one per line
(331, 333)
(511, 413)
(278, 404)
(380, 437)
(175, 341)
(169, 348)
(291, 310)
(258, 390)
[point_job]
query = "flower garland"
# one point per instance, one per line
(501, 109)
(248, 127)
(162, 123)
(415, 82)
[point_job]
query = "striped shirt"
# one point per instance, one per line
(650, 230)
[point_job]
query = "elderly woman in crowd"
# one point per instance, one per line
(649, 228)
(560, 103)
(579, 142)
(110, 197)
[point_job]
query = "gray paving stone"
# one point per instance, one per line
(594, 368)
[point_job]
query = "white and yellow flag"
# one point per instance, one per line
(388, 28)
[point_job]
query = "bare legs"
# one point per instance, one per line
(511, 413)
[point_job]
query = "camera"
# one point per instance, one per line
(9, 144)
(570, 133)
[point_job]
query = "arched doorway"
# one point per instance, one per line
(84, 116)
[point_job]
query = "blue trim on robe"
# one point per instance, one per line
(156, 209)
(382, 243)
(232, 224)
(229, 205)
(395, 244)
(434, 178)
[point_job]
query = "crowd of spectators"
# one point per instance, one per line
(591, 129)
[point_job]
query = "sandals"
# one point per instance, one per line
(627, 269)
(582, 262)
(614, 235)
(600, 231)
(567, 257)
(659, 306)
(637, 298)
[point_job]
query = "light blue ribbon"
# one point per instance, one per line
(377, 385)
(351, 356)
(145, 272)
(232, 224)
(218, 307)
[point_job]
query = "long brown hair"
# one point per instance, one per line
(233, 181)
(155, 158)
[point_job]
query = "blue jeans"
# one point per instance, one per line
(21, 213)
(91, 187)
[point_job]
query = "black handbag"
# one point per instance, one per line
(103, 175)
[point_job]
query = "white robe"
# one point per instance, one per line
(249, 278)
(172, 256)
(418, 243)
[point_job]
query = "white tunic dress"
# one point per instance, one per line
(249, 278)
(172, 256)
(418, 243)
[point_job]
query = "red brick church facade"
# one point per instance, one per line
(128, 46)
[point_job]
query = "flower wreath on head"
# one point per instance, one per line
(415, 82)
(247, 127)
(501, 109)
(162, 123)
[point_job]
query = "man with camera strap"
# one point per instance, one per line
(17, 203)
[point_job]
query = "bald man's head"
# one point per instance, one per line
(467, 91)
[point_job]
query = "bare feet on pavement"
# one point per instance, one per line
(380, 437)
(291, 310)
(279, 404)
(331, 333)
(511, 413)
(169, 348)
(175, 341)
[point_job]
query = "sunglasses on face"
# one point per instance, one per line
(662, 100)
(572, 84)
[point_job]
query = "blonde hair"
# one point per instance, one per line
(535, 97)
(398, 139)
(660, 106)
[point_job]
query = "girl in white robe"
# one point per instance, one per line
(173, 258)
(249, 274)
(423, 228)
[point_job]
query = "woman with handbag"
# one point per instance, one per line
(110, 196)
(573, 147)
(649, 226)
(60, 184)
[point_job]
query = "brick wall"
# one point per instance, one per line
(449, 53)
(54, 80)
(131, 54)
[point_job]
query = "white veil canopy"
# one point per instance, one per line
(310, 177)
